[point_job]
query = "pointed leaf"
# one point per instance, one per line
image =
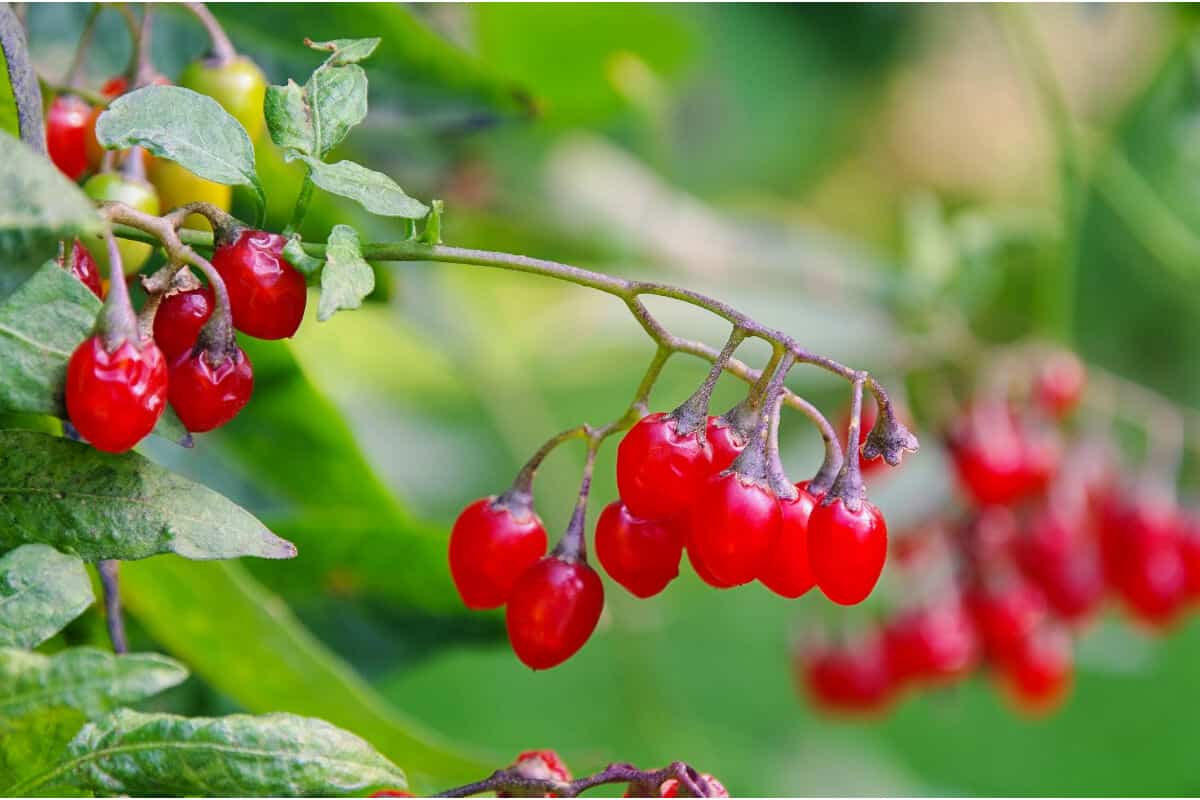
(101, 505)
(346, 51)
(288, 119)
(373, 190)
(128, 752)
(89, 680)
(347, 278)
(41, 590)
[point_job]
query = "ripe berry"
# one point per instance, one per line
(207, 395)
(1154, 584)
(552, 611)
(852, 678)
(83, 267)
(1063, 562)
(1005, 613)
(932, 644)
(491, 545)
(1039, 672)
(703, 573)
(641, 555)
(659, 470)
(726, 443)
(115, 399)
(1140, 544)
(1059, 384)
(999, 461)
(787, 571)
(266, 293)
(733, 527)
(391, 793)
(179, 319)
(1189, 551)
(846, 549)
(66, 134)
(544, 765)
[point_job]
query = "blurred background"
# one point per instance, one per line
(867, 178)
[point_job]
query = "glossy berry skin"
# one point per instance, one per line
(786, 571)
(134, 193)
(553, 610)
(83, 267)
(852, 678)
(733, 528)
(491, 545)
(115, 399)
(1059, 384)
(846, 549)
(266, 293)
(641, 555)
(725, 442)
(179, 318)
(1039, 673)
(66, 134)
(703, 573)
(660, 471)
(935, 644)
(206, 395)
(238, 86)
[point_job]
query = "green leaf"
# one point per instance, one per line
(293, 251)
(288, 118)
(373, 190)
(35, 743)
(347, 278)
(38, 207)
(8, 103)
(41, 590)
(347, 51)
(87, 679)
(128, 752)
(186, 127)
(316, 118)
(246, 643)
(100, 505)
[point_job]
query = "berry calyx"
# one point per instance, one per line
(787, 571)
(66, 134)
(641, 555)
(553, 610)
(733, 527)
(114, 398)
(266, 293)
(493, 542)
(81, 264)
(847, 548)
(180, 317)
(208, 391)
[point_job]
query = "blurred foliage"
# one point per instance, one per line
(767, 155)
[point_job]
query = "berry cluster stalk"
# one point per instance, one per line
(512, 783)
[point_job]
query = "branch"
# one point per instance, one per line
(23, 80)
(642, 783)
(113, 616)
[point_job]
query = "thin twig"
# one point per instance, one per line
(641, 782)
(23, 80)
(109, 570)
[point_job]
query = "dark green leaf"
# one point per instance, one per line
(34, 744)
(128, 752)
(83, 678)
(41, 590)
(347, 278)
(38, 207)
(347, 51)
(101, 505)
(373, 190)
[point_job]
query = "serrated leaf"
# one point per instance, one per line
(103, 505)
(87, 679)
(128, 752)
(373, 190)
(288, 119)
(41, 590)
(347, 51)
(33, 744)
(186, 127)
(38, 207)
(347, 278)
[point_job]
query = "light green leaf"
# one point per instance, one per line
(100, 505)
(293, 251)
(87, 679)
(38, 207)
(132, 753)
(8, 103)
(41, 590)
(34, 744)
(373, 190)
(347, 278)
(183, 126)
(288, 119)
(337, 99)
(346, 51)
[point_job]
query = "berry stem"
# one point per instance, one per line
(849, 485)
(693, 413)
(780, 483)
(754, 461)
(118, 323)
(114, 618)
(642, 782)
(301, 208)
(75, 70)
(143, 65)
(573, 545)
(223, 51)
(520, 494)
(23, 80)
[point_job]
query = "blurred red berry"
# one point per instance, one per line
(66, 134)
(1040, 670)
(932, 644)
(1005, 613)
(1059, 384)
(848, 678)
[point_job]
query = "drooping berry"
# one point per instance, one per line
(733, 527)
(727, 444)
(553, 610)
(83, 267)
(932, 644)
(660, 470)
(846, 549)
(1006, 613)
(266, 293)
(1139, 542)
(849, 678)
(206, 395)
(179, 318)
(703, 573)
(492, 544)
(787, 571)
(1059, 384)
(1039, 672)
(1058, 556)
(66, 134)
(115, 399)
(998, 460)
(641, 555)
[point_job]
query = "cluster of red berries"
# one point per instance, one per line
(118, 385)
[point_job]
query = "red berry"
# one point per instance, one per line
(179, 319)
(266, 293)
(552, 611)
(390, 793)
(66, 134)
(660, 470)
(641, 555)
(544, 765)
(999, 461)
(83, 267)
(115, 399)
(1064, 563)
(491, 545)
(787, 571)
(933, 644)
(1189, 551)
(1059, 384)
(206, 396)
(703, 573)
(1006, 614)
(851, 678)
(846, 549)
(1154, 583)
(725, 442)
(733, 527)
(1039, 672)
